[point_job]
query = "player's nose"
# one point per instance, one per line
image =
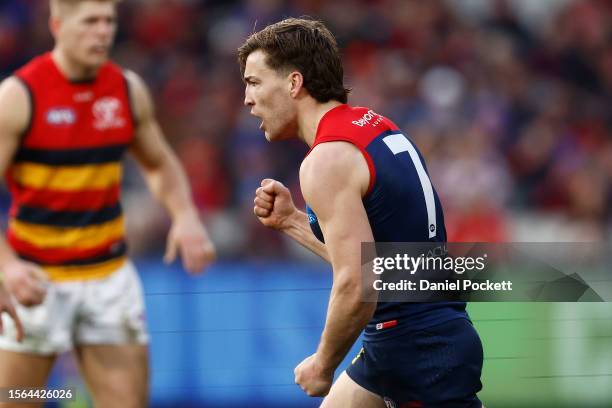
(248, 101)
(104, 28)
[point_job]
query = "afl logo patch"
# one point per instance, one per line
(61, 116)
(107, 113)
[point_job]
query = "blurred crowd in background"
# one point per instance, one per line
(509, 101)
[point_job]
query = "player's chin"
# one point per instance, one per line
(270, 137)
(95, 60)
(275, 136)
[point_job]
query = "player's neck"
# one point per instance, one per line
(72, 70)
(310, 117)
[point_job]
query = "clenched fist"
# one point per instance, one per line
(273, 204)
(312, 379)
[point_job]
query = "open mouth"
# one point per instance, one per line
(262, 122)
(99, 49)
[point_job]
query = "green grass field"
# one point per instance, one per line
(546, 354)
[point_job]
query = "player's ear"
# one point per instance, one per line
(54, 25)
(296, 82)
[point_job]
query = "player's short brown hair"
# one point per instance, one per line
(61, 7)
(304, 45)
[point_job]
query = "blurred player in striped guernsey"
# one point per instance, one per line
(66, 119)
(364, 181)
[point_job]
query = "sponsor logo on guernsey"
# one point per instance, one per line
(106, 113)
(370, 118)
(83, 96)
(312, 217)
(59, 116)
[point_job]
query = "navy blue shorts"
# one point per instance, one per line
(438, 367)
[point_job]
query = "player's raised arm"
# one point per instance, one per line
(24, 280)
(334, 178)
(275, 209)
(168, 183)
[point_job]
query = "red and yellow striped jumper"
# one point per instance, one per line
(65, 178)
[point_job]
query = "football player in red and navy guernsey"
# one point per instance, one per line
(363, 181)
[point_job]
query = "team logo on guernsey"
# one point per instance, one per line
(106, 113)
(61, 116)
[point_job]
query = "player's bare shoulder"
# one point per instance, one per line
(335, 165)
(142, 102)
(15, 107)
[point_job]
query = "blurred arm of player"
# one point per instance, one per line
(334, 178)
(24, 280)
(275, 209)
(168, 183)
(7, 306)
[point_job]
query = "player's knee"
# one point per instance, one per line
(125, 400)
(118, 392)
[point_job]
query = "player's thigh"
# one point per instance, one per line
(346, 393)
(23, 370)
(117, 375)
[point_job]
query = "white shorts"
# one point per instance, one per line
(98, 311)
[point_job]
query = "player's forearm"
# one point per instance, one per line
(347, 315)
(298, 229)
(170, 187)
